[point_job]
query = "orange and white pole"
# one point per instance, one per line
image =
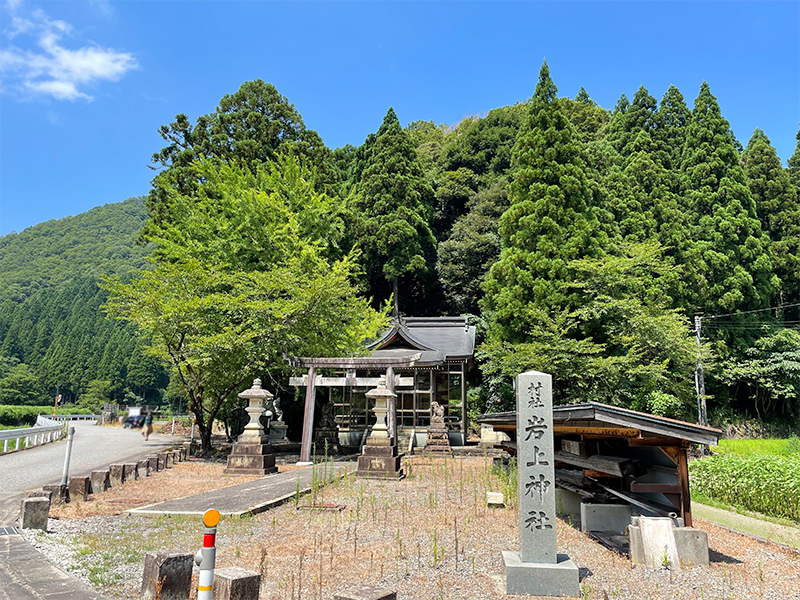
(207, 555)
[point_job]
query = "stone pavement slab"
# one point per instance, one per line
(251, 497)
(25, 574)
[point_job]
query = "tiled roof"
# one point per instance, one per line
(438, 339)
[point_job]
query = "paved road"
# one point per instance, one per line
(93, 448)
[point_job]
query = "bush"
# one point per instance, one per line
(766, 484)
(25, 416)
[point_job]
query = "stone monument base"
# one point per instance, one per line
(277, 432)
(541, 579)
(331, 436)
(251, 457)
(379, 460)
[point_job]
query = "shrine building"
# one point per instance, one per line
(424, 359)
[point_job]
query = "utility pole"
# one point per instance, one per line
(699, 380)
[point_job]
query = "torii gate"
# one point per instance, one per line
(350, 364)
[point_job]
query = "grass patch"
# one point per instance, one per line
(766, 447)
(766, 484)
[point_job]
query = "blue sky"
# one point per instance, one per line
(85, 85)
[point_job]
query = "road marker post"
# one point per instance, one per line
(65, 472)
(206, 557)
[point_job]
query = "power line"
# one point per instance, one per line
(747, 312)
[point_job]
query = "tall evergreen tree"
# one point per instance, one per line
(669, 133)
(250, 126)
(794, 164)
(638, 117)
(549, 222)
(778, 209)
(392, 211)
(727, 263)
(586, 116)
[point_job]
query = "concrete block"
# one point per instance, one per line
(235, 583)
(605, 517)
(167, 575)
(495, 500)
(41, 494)
(100, 481)
(568, 504)
(131, 471)
(184, 453)
(34, 513)
(490, 437)
(635, 543)
(162, 461)
(116, 475)
(153, 460)
(692, 546)
(79, 488)
(366, 592)
(541, 579)
(59, 493)
(144, 468)
(658, 543)
(178, 456)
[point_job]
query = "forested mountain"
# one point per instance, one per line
(54, 336)
(99, 241)
(585, 242)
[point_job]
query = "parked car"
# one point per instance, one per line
(132, 422)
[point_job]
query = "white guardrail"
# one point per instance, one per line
(75, 418)
(46, 430)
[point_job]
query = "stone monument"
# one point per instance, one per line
(326, 434)
(379, 459)
(252, 453)
(438, 440)
(537, 569)
(277, 429)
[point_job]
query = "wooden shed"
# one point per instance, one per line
(611, 454)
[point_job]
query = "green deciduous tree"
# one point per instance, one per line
(622, 346)
(240, 277)
(20, 385)
(771, 372)
(472, 248)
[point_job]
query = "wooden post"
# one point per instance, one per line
(678, 456)
(392, 406)
(308, 417)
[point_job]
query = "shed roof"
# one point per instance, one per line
(595, 414)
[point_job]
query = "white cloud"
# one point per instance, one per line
(13, 4)
(51, 68)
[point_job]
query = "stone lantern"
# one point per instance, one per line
(252, 453)
(379, 459)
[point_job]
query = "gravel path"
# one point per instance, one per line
(430, 537)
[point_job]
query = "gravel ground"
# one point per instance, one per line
(429, 537)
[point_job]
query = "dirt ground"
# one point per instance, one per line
(429, 537)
